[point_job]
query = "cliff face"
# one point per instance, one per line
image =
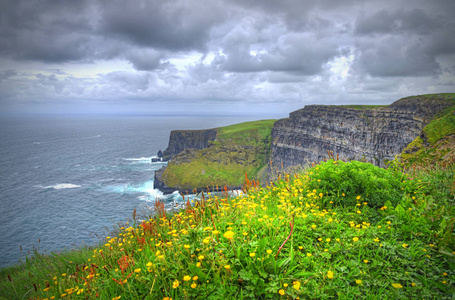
(372, 135)
(180, 140)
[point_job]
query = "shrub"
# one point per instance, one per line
(344, 182)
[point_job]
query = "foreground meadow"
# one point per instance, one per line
(338, 230)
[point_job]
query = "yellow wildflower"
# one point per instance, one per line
(296, 285)
(281, 292)
(330, 274)
(397, 285)
(186, 278)
(229, 235)
(176, 284)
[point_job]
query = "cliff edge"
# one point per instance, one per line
(374, 135)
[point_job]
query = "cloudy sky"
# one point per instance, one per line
(220, 56)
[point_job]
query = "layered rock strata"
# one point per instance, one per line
(372, 135)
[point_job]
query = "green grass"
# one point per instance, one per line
(447, 96)
(239, 148)
(245, 126)
(441, 126)
(301, 236)
(426, 152)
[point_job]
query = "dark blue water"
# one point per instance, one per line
(65, 180)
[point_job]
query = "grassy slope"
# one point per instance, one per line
(428, 151)
(342, 244)
(239, 148)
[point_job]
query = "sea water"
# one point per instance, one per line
(66, 180)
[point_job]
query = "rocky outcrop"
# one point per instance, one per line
(371, 135)
(159, 184)
(181, 140)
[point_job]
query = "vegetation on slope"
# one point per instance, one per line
(300, 237)
(437, 142)
(239, 148)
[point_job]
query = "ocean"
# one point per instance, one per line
(66, 180)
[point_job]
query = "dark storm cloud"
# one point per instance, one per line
(397, 22)
(172, 25)
(393, 57)
(296, 56)
(7, 74)
(403, 43)
(51, 31)
(145, 60)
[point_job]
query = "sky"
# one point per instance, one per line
(220, 56)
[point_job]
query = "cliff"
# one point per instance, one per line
(180, 140)
(215, 157)
(374, 135)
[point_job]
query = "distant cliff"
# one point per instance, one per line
(180, 140)
(353, 132)
(215, 157)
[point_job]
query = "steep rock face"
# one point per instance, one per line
(181, 140)
(372, 135)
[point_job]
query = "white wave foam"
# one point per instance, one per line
(146, 188)
(140, 159)
(92, 137)
(62, 186)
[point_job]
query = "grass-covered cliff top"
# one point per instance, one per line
(338, 230)
(238, 148)
(420, 99)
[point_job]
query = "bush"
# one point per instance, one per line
(343, 183)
